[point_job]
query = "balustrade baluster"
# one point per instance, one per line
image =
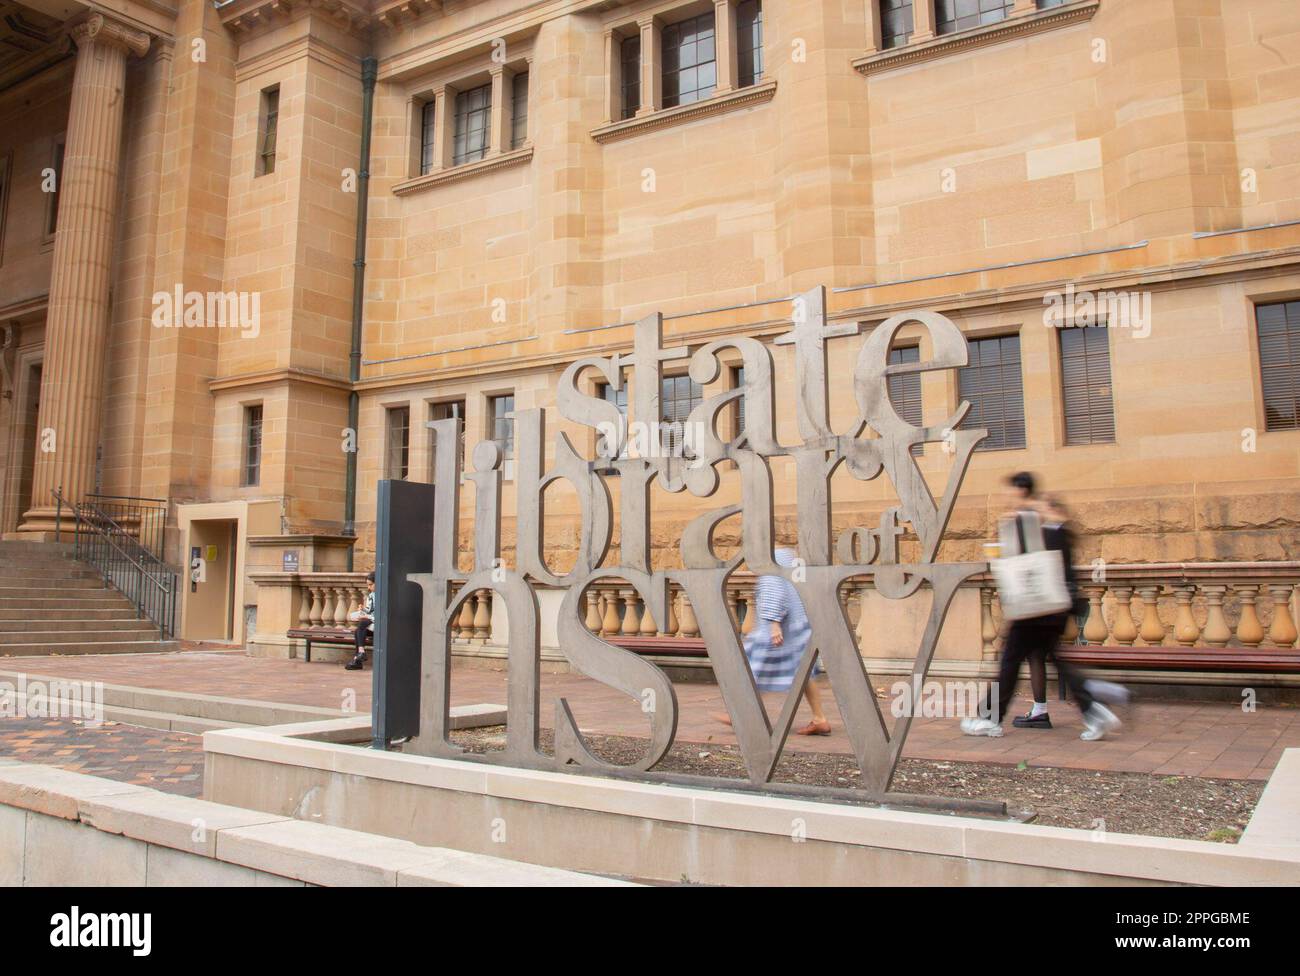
(690, 628)
(1186, 630)
(482, 616)
(631, 625)
(1216, 633)
(1282, 632)
(1249, 631)
(1095, 630)
(1153, 631)
(988, 629)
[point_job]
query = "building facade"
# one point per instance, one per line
(1104, 195)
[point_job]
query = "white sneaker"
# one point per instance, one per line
(981, 726)
(1099, 720)
(1108, 691)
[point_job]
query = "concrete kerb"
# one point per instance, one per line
(195, 713)
(1152, 859)
(313, 853)
(212, 709)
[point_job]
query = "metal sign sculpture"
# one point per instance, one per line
(824, 564)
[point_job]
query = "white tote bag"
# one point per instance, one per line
(1031, 583)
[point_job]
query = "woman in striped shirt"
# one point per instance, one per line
(776, 643)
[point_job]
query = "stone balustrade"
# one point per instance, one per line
(1248, 605)
(1212, 605)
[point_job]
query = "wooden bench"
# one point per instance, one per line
(1160, 658)
(327, 635)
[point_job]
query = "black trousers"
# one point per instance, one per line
(1038, 635)
(363, 629)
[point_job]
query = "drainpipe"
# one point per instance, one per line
(369, 67)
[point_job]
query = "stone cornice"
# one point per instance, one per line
(1036, 22)
(681, 114)
(465, 170)
(1257, 264)
(253, 16)
(98, 29)
(276, 377)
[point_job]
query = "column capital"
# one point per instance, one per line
(98, 29)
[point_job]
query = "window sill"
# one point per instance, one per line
(1035, 22)
(451, 174)
(680, 114)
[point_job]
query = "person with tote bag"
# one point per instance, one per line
(1033, 577)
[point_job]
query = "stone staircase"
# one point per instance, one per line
(52, 604)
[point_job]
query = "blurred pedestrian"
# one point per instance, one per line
(776, 643)
(1039, 634)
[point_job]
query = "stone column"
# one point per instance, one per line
(724, 35)
(652, 81)
(76, 324)
(874, 35)
(613, 77)
(923, 20)
(499, 136)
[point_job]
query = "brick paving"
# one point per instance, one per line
(1168, 738)
(167, 761)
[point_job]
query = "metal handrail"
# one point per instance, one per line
(127, 565)
(144, 518)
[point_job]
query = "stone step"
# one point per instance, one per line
(66, 612)
(37, 606)
(67, 570)
(78, 637)
(15, 548)
(45, 623)
(52, 584)
(101, 647)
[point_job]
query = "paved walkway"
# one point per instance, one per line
(1166, 738)
(167, 761)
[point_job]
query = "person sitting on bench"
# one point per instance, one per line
(364, 618)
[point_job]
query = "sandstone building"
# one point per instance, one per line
(1103, 194)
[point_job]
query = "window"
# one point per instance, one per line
(1085, 386)
(630, 74)
(993, 385)
(455, 410)
(252, 474)
(267, 130)
(738, 405)
(679, 395)
(397, 453)
(905, 390)
(52, 198)
(502, 429)
(896, 23)
(519, 110)
(619, 399)
(473, 113)
(749, 43)
(690, 65)
(1278, 329)
(428, 137)
(959, 15)
(1048, 4)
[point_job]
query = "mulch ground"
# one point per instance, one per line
(1190, 807)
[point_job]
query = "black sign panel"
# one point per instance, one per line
(403, 545)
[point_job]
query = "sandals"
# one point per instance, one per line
(815, 728)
